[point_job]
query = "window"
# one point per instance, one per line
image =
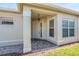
(65, 28)
(51, 28)
(68, 28)
(65, 32)
(71, 32)
(71, 28)
(6, 20)
(71, 24)
(65, 23)
(52, 32)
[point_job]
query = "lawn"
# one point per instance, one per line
(68, 50)
(65, 51)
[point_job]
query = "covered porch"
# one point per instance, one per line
(41, 30)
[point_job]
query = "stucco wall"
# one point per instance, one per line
(11, 34)
(65, 40)
(36, 28)
(78, 29)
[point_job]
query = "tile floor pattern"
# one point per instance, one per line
(38, 45)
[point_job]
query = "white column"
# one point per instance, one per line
(26, 30)
(59, 29)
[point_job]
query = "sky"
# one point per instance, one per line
(8, 5)
(73, 6)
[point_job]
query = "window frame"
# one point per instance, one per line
(51, 28)
(64, 28)
(68, 27)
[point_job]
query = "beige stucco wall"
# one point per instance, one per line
(65, 40)
(36, 28)
(11, 34)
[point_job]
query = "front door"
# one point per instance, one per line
(41, 29)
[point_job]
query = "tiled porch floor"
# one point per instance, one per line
(38, 45)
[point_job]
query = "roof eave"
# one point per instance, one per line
(54, 8)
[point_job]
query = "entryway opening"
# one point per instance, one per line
(40, 31)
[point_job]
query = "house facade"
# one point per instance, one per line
(37, 21)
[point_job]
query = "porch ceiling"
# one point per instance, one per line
(41, 14)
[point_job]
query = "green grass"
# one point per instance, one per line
(68, 50)
(65, 51)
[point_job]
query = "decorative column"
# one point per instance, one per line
(26, 30)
